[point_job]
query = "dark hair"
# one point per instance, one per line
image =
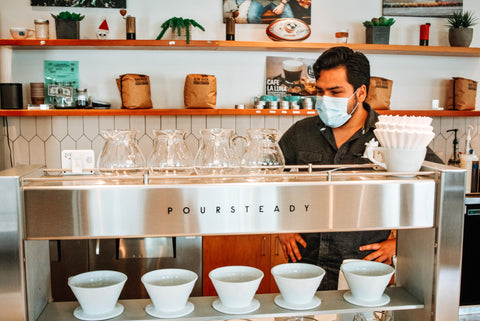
(357, 65)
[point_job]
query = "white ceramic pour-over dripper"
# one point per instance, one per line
(236, 285)
(97, 291)
(169, 289)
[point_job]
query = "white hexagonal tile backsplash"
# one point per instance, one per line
(35, 140)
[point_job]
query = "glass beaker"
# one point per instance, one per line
(215, 155)
(170, 153)
(262, 154)
(121, 154)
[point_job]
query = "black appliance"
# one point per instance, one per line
(11, 96)
(470, 283)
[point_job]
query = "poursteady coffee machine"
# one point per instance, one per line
(38, 205)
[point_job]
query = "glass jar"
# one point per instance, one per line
(121, 154)
(215, 155)
(41, 28)
(82, 98)
(170, 155)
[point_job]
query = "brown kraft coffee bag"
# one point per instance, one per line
(200, 91)
(379, 93)
(135, 91)
(462, 94)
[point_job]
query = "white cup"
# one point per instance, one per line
(367, 280)
(298, 282)
(236, 285)
(397, 159)
(169, 289)
(21, 33)
(97, 291)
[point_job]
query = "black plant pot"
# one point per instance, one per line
(460, 37)
(378, 35)
(67, 29)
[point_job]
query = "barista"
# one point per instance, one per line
(337, 136)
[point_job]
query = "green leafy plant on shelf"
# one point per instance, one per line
(68, 16)
(382, 21)
(461, 20)
(177, 24)
(460, 33)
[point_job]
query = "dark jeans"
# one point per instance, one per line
(328, 250)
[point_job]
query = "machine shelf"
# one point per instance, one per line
(332, 303)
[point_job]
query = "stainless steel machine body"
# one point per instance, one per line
(426, 208)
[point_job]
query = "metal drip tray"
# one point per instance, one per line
(334, 199)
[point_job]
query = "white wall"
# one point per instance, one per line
(240, 75)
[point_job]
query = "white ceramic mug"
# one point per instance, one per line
(397, 159)
(21, 33)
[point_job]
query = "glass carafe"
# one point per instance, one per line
(262, 154)
(120, 154)
(170, 153)
(215, 155)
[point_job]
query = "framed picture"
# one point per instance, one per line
(121, 4)
(421, 8)
(290, 77)
(266, 11)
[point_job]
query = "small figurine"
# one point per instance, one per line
(102, 30)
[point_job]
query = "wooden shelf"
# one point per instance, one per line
(152, 112)
(120, 44)
(217, 112)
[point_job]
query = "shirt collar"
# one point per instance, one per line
(372, 117)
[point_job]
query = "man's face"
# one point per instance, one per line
(333, 83)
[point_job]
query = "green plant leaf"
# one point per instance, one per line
(177, 23)
(66, 15)
(381, 21)
(367, 23)
(461, 20)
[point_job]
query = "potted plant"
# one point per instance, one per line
(67, 25)
(378, 30)
(183, 27)
(460, 34)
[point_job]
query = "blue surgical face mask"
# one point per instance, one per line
(333, 110)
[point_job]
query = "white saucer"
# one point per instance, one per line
(290, 306)
(150, 309)
(79, 314)
(217, 305)
(384, 299)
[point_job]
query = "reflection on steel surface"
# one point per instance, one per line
(332, 200)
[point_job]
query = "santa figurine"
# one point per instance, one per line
(102, 30)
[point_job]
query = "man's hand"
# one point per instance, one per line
(289, 245)
(383, 251)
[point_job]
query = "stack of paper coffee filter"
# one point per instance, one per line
(404, 132)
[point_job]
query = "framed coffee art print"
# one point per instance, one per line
(421, 8)
(120, 4)
(267, 11)
(287, 76)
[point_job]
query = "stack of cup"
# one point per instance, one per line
(404, 141)
(37, 92)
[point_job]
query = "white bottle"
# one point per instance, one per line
(466, 162)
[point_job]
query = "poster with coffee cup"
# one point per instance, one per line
(290, 77)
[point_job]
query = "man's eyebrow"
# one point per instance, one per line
(331, 88)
